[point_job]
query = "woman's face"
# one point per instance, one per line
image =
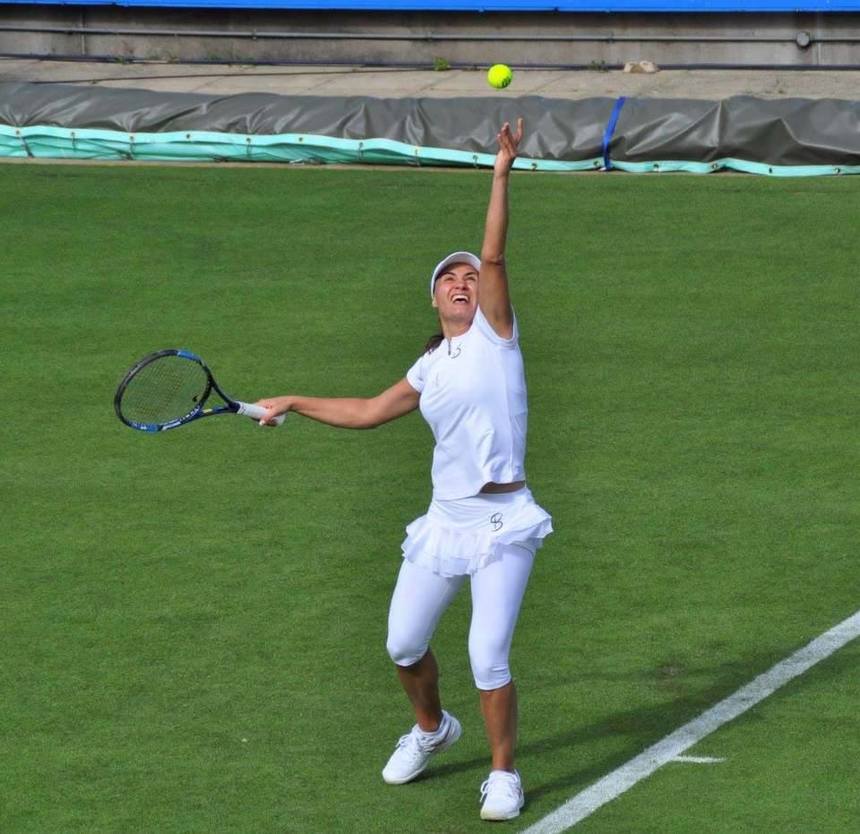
(455, 294)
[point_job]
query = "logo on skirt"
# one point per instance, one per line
(496, 521)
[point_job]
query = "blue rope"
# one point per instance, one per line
(610, 131)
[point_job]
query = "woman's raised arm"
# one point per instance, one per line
(493, 297)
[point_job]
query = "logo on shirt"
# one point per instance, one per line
(496, 521)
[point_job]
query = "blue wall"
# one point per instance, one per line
(486, 5)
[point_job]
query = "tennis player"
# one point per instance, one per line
(483, 524)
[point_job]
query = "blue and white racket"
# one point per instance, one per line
(170, 388)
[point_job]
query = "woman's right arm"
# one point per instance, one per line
(347, 412)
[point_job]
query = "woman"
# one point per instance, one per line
(483, 523)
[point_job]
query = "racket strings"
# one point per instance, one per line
(165, 389)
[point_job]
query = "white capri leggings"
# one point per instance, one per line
(421, 597)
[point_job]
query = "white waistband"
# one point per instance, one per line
(474, 510)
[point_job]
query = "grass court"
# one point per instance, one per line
(194, 623)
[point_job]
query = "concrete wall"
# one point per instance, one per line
(422, 38)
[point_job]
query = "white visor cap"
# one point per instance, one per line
(453, 258)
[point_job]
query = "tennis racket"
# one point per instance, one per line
(170, 388)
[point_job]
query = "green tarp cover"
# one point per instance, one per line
(769, 136)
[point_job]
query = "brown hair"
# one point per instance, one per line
(433, 342)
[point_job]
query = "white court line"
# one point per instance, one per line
(625, 777)
(698, 759)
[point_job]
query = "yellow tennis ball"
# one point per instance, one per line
(499, 76)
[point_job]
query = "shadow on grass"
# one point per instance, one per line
(638, 727)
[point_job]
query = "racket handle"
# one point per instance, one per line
(257, 412)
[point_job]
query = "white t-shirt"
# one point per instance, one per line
(473, 395)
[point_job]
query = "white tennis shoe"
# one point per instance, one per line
(502, 796)
(416, 748)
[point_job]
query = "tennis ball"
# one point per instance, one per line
(499, 76)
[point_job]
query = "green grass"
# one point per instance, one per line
(194, 624)
(790, 766)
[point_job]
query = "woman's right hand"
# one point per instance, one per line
(275, 406)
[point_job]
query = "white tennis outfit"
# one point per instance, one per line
(473, 396)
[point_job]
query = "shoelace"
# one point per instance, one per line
(508, 783)
(415, 740)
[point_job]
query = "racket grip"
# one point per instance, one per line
(257, 412)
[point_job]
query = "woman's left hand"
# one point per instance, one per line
(509, 143)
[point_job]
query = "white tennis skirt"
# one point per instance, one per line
(462, 536)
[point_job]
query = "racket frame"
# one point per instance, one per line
(199, 411)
